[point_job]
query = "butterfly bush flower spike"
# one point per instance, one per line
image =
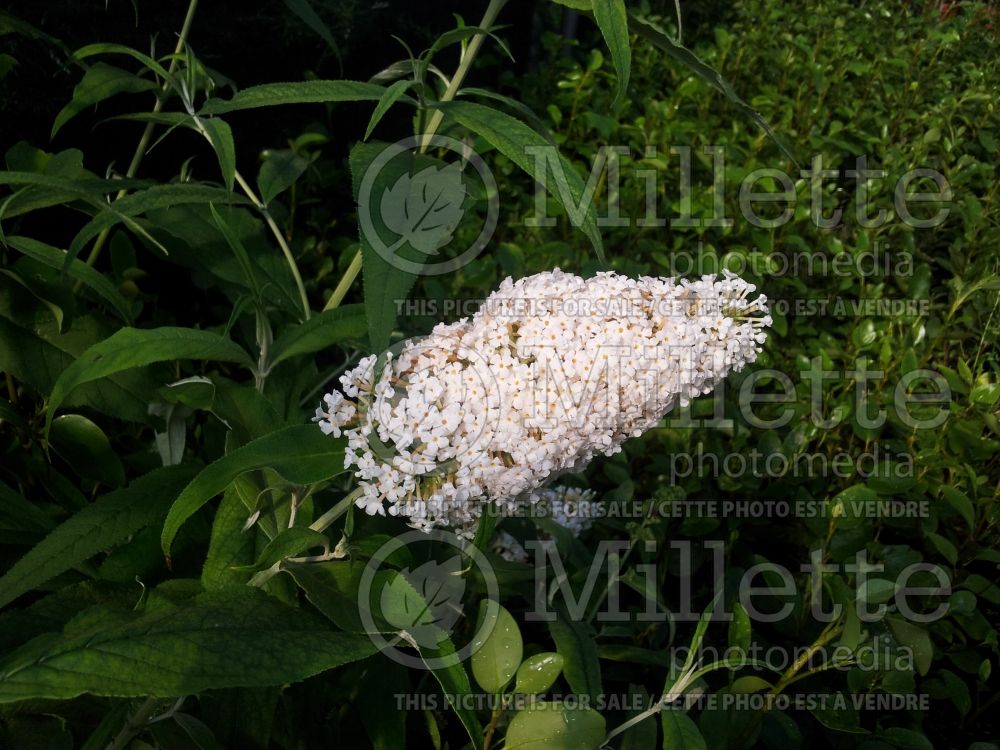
(552, 371)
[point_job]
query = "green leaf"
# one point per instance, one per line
(288, 543)
(496, 654)
(576, 645)
(36, 353)
(546, 726)
(538, 673)
(38, 291)
(385, 283)
(849, 505)
(957, 691)
(321, 331)
(90, 191)
(390, 97)
(944, 546)
(304, 10)
(110, 520)
(961, 504)
(18, 514)
(985, 395)
(876, 591)
(7, 63)
(678, 52)
(485, 528)
(378, 696)
(56, 259)
(304, 92)
(641, 736)
(238, 637)
(240, 252)
(739, 629)
(100, 82)
(141, 202)
(197, 731)
(512, 138)
(133, 347)
(633, 654)
(851, 636)
(279, 172)
(401, 606)
(679, 732)
(240, 717)
(232, 544)
(750, 684)
(699, 633)
(85, 447)
(454, 681)
(302, 454)
(332, 587)
(220, 135)
(120, 49)
(612, 20)
(916, 639)
(523, 110)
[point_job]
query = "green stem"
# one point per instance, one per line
(435, 122)
(345, 283)
(463, 68)
(147, 133)
(492, 727)
(135, 724)
(278, 235)
(272, 225)
(11, 388)
(325, 520)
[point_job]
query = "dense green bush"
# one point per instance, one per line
(164, 351)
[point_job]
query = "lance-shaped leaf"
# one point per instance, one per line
(134, 347)
(279, 172)
(100, 82)
(536, 156)
(304, 10)
(612, 20)
(390, 97)
(110, 520)
(221, 137)
(386, 282)
(427, 616)
(320, 332)
(300, 453)
(103, 48)
(303, 92)
(235, 637)
(159, 196)
(55, 258)
(575, 644)
(678, 52)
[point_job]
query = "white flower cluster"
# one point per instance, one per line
(569, 507)
(490, 408)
